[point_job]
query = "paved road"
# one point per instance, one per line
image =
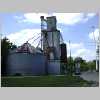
(90, 76)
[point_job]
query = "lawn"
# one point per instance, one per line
(43, 81)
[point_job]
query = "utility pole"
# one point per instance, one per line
(98, 52)
(97, 49)
(97, 55)
(70, 58)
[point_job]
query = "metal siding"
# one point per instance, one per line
(54, 67)
(50, 39)
(54, 41)
(56, 38)
(51, 23)
(27, 64)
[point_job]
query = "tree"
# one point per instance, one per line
(91, 65)
(83, 64)
(5, 46)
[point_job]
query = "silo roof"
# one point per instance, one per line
(26, 48)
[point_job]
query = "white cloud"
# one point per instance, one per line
(86, 17)
(91, 14)
(74, 45)
(79, 50)
(86, 54)
(94, 36)
(65, 18)
(22, 36)
(68, 18)
(33, 17)
(73, 18)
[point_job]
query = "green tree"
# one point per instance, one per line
(5, 46)
(91, 65)
(83, 64)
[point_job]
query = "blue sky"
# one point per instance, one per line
(76, 27)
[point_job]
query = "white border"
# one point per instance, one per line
(56, 93)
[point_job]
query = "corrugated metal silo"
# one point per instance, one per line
(54, 67)
(26, 60)
(26, 64)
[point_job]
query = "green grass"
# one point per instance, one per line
(43, 81)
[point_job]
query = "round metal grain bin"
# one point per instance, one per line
(26, 63)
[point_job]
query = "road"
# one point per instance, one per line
(90, 76)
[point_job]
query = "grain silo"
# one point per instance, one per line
(51, 44)
(51, 37)
(26, 61)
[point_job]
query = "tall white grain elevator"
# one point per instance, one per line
(51, 43)
(51, 37)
